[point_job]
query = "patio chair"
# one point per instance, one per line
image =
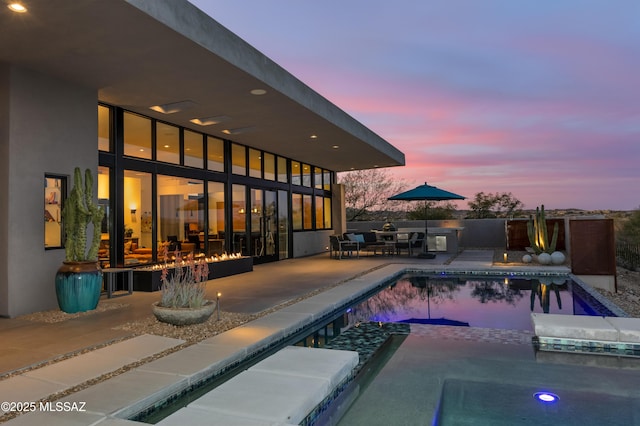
(402, 242)
(409, 242)
(417, 242)
(342, 247)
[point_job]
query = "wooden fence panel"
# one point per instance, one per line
(593, 247)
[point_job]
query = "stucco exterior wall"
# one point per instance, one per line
(52, 129)
(308, 243)
(4, 193)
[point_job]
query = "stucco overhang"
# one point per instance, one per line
(139, 53)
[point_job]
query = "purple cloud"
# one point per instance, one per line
(540, 99)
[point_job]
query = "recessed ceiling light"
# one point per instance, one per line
(208, 121)
(17, 7)
(335, 146)
(237, 131)
(258, 92)
(166, 146)
(141, 149)
(313, 137)
(173, 107)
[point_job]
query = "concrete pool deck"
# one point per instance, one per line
(269, 285)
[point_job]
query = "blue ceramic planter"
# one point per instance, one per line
(78, 286)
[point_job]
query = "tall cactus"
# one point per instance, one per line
(79, 210)
(538, 234)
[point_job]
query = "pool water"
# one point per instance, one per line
(467, 402)
(478, 375)
(462, 381)
(476, 301)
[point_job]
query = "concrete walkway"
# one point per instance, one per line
(29, 343)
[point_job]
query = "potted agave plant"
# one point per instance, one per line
(79, 279)
(182, 301)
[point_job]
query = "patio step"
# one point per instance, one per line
(40, 383)
(282, 389)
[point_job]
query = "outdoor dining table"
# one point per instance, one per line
(390, 239)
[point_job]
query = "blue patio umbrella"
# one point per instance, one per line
(426, 193)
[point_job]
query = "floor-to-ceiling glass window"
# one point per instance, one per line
(238, 159)
(215, 154)
(269, 166)
(327, 213)
(263, 223)
(167, 143)
(217, 226)
(193, 149)
(104, 128)
(176, 193)
(255, 163)
(307, 213)
(306, 175)
(296, 173)
(317, 177)
(270, 227)
(137, 135)
(137, 203)
(282, 170)
(181, 214)
(326, 180)
(283, 225)
(296, 211)
(239, 218)
(319, 213)
(104, 251)
(256, 223)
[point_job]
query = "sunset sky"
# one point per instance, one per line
(537, 98)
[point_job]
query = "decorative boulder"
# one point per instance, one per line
(527, 258)
(557, 258)
(544, 258)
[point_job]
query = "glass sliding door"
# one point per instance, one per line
(217, 228)
(264, 227)
(181, 215)
(283, 225)
(137, 203)
(270, 225)
(104, 251)
(239, 220)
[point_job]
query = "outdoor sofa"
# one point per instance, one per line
(354, 242)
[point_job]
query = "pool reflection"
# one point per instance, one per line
(491, 302)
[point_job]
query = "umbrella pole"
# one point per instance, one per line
(426, 254)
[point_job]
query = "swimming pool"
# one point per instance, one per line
(490, 372)
(329, 326)
(499, 302)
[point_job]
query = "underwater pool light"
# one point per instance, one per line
(546, 397)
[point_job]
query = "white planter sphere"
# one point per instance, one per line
(544, 258)
(527, 258)
(557, 258)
